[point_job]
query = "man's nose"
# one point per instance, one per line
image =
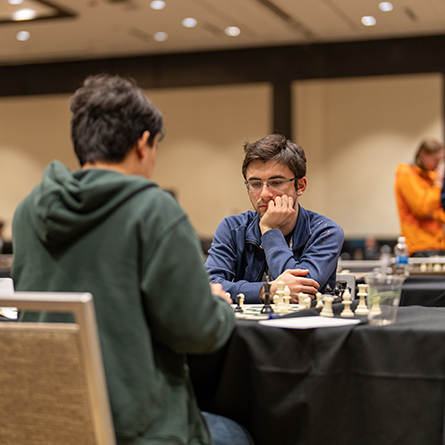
(266, 192)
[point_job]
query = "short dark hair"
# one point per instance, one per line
(110, 113)
(276, 147)
(429, 146)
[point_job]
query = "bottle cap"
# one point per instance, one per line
(401, 239)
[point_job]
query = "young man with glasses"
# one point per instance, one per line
(281, 239)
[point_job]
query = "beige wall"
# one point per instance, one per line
(33, 131)
(201, 155)
(355, 132)
(200, 158)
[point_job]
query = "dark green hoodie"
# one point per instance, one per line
(129, 243)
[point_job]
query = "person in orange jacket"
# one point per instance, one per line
(418, 196)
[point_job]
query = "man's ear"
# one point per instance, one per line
(142, 143)
(301, 187)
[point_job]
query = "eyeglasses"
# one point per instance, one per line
(255, 185)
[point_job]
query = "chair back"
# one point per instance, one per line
(52, 381)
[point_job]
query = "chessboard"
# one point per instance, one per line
(281, 303)
(253, 311)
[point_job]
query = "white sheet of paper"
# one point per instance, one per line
(7, 288)
(308, 322)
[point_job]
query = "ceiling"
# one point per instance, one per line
(90, 29)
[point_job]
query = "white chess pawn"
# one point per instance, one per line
(347, 312)
(327, 308)
(304, 300)
(375, 306)
(301, 300)
(286, 298)
(278, 303)
(423, 267)
(280, 292)
(319, 300)
(362, 308)
(241, 300)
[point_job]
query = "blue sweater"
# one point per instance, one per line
(239, 253)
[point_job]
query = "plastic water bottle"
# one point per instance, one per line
(401, 252)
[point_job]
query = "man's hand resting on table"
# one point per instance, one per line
(297, 282)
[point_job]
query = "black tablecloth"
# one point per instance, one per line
(426, 290)
(362, 385)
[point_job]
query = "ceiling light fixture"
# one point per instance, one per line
(368, 20)
(386, 6)
(23, 36)
(160, 36)
(24, 14)
(189, 22)
(15, 2)
(157, 4)
(232, 31)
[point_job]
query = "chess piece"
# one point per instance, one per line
(347, 312)
(337, 293)
(319, 300)
(375, 307)
(362, 308)
(437, 268)
(286, 299)
(267, 308)
(304, 300)
(327, 308)
(423, 268)
(278, 298)
(238, 307)
(280, 291)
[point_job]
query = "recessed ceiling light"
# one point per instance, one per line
(232, 31)
(160, 36)
(368, 20)
(189, 22)
(157, 4)
(23, 36)
(386, 6)
(15, 2)
(24, 14)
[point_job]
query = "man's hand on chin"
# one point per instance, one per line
(280, 214)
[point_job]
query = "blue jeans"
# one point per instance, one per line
(225, 431)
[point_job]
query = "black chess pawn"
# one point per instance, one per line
(337, 294)
(267, 308)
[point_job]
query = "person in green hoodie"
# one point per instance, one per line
(109, 230)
